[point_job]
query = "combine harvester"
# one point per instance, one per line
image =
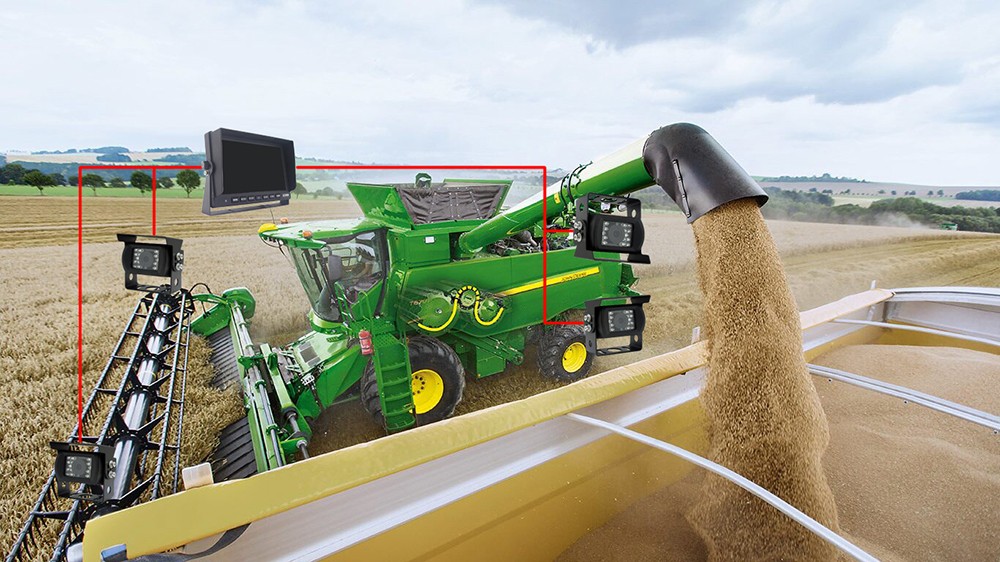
(432, 285)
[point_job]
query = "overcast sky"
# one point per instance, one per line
(889, 90)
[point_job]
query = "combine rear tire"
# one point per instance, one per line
(562, 354)
(438, 381)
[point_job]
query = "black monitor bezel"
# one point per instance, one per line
(216, 202)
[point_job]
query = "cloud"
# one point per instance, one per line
(635, 22)
(792, 86)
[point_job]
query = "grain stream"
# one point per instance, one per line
(765, 420)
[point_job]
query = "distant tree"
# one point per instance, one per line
(847, 191)
(299, 189)
(326, 192)
(930, 193)
(315, 194)
(882, 192)
(93, 181)
(39, 180)
(812, 190)
(165, 183)
(893, 192)
(141, 181)
(940, 193)
(189, 180)
(58, 178)
(12, 174)
(116, 182)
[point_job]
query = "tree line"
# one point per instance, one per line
(16, 174)
(819, 207)
(979, 195)
(824, 178)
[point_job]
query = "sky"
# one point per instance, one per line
(905, 91)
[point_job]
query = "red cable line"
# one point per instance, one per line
(79, 267)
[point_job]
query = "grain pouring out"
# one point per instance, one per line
(765, 420)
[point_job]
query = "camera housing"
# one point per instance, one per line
(152, 256)
(609, 224)
(611, 318)
(82, 469)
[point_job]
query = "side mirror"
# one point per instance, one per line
(334, 269)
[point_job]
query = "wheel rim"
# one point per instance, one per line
(574, 357)
(428, 389)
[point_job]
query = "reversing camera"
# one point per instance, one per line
(616, 319)
(82, 469)
(153, 256)
(609, 224)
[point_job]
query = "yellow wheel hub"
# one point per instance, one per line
(428, 389)
(574, 357)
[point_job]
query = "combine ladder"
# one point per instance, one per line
(392, 370)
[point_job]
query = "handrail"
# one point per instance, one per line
(928, 400)
(907, 327)
(781, 505)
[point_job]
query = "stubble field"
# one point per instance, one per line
(38, 259)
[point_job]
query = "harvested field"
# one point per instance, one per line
(38, 310)
(49, 221)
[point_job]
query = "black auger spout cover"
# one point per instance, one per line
(695, 171)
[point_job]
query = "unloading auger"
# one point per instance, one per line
(433, 283)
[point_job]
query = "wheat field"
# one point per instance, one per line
(38, 258)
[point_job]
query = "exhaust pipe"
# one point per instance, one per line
(695, 171)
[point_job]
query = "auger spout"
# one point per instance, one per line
(683, 159)
(695, 171)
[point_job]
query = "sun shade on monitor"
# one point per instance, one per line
(245, 171)
(451, 201)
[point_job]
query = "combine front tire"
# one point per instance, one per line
(437, 380)
(562, 354)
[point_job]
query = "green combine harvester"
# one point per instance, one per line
(431, 284)
(435, 282)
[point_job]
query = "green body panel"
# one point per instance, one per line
(218, 317)
(381, 203)
(495, 275)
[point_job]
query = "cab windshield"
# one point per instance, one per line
(361, 267)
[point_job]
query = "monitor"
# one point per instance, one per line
(246, 171)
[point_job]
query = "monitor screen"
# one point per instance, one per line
(249, 168)
(245, 171)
